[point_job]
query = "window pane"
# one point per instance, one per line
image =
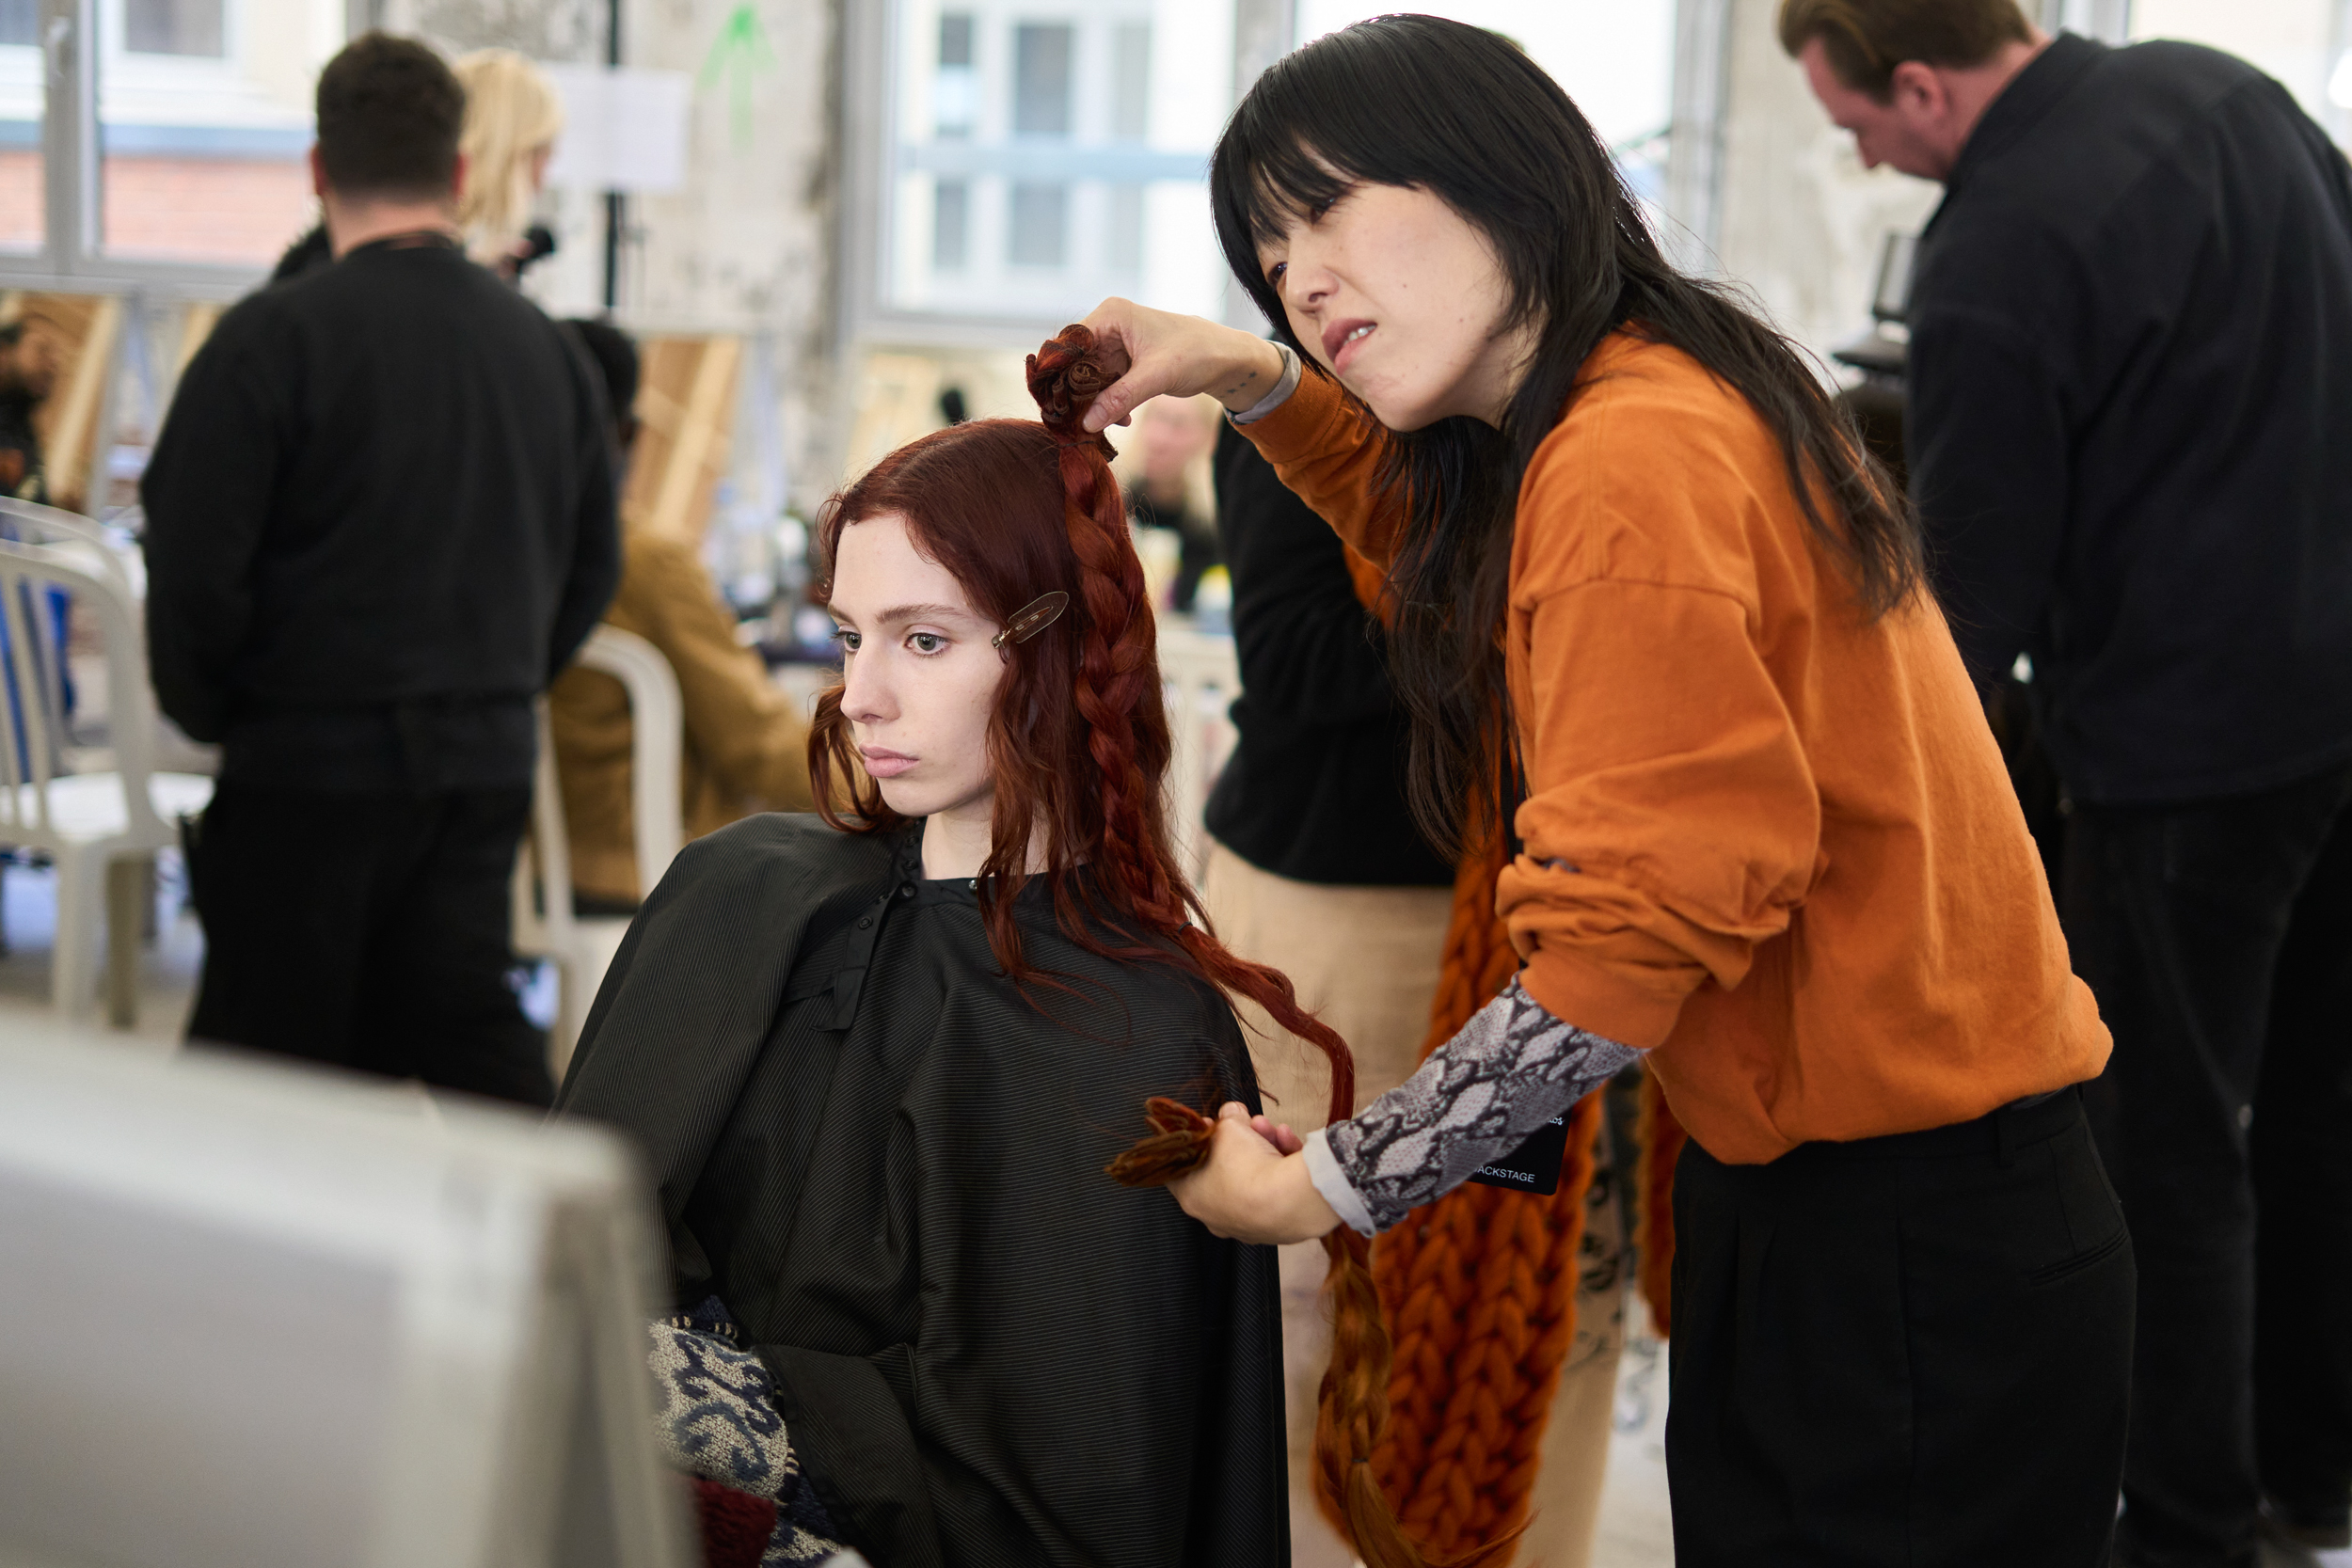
(1045, 153)
(951, 215)
(955, 41)
(1124, 252)
(1040, 224)
(173, 26)
(1131, 81)
(24, 217)
(1040, 80)
(955, 94)
(204, 124)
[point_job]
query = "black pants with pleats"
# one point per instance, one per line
(366, 929)
(2218, 936)
(1905, 1351)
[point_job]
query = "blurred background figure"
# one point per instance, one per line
(1165, 472)
(2131, 445)
(512, 116)
(746, 739)
(28, 373)
(361, 612)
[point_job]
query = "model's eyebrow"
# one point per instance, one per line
(898, 613)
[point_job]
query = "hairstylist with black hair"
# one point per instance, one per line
(1658, 604)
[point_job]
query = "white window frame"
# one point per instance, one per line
(73, 259)
(869, 114)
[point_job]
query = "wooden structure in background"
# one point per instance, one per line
(198, 317)
(686, 405)
(898, 399)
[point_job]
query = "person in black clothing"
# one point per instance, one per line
(380, 518)
(1314, 790)
(2131, 444)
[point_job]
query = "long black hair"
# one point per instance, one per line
(1464, 114)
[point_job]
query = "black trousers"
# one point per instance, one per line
(2218, 936)
(366, 929)
(1911, 1350)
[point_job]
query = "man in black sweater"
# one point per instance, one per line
(380, 518)
(2131, 445)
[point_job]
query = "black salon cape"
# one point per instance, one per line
(888, 1164)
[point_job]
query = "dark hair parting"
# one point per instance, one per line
(1462, 113)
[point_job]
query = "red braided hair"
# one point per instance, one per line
(1079, 746)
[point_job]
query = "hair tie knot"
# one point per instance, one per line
(1066, 376)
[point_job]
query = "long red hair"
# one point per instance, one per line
(1079, 745)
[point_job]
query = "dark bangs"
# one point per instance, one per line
(1464, 114)
(1357, 106)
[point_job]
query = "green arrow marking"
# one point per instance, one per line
(738, 52)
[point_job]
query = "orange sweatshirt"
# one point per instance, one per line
(1768, 839)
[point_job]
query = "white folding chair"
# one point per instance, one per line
(101, 829)
(545, 926)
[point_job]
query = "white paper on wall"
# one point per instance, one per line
(624, 130)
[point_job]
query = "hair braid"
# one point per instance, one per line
(1119, 695)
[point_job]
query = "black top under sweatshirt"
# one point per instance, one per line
(379, 519)
(2131, 417)
(1315, 788)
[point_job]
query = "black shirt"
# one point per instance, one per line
(887, 1160)
(2131, 417)
(1315, 788)
(379, 519)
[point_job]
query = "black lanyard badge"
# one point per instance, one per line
(1534, 1166)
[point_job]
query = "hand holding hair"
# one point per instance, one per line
(1251, 1190)
(1173, 355)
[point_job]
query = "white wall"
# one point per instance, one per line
(1801, 221)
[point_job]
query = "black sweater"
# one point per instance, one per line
(379, 519)
(2131, 417)
(1315, 788)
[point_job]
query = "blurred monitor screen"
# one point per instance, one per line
(253, 1314)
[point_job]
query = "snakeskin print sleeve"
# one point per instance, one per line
(1512, 1068)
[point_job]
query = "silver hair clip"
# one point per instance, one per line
(1032, 617)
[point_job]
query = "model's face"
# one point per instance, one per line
(919, 674)
(1403, 299)
(1911, 133)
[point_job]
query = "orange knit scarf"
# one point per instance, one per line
(1479, 1288)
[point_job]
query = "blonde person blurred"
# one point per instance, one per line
(1165, 472)
(746, 742)
(512, 116)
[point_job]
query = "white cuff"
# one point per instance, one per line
(1284, 384)
(1322, 1170)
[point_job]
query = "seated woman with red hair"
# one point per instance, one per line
(830, 1037)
